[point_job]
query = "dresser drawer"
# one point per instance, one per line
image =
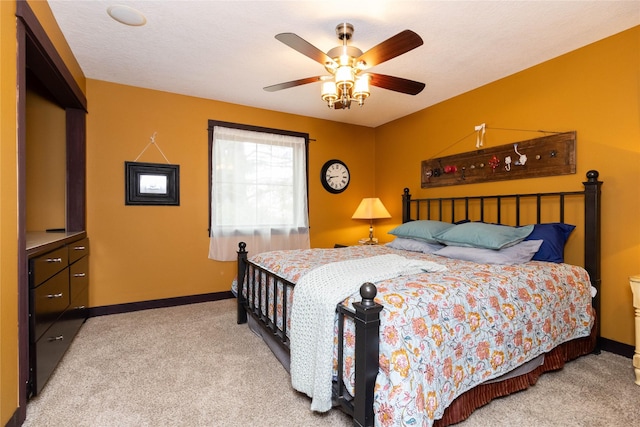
(78, 309)
(45, 266)
(78, 250)
(78, 276)
(49, 300)
(50, 348)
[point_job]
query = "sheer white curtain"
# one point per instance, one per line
(258, 192)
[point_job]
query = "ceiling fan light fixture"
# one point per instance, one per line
(345, 58)
(361, 89)
(344, 77)
(329, 92)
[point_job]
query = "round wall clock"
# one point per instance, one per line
(335, 176)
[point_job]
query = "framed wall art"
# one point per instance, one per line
(152, 184)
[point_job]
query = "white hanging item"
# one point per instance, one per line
(480, 131)
(522, 157)
(507, 163)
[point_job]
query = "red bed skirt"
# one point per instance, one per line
(461, 408)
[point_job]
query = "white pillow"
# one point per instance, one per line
(414, 245)
(517, 254)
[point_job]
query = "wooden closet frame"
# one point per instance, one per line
(37, 52)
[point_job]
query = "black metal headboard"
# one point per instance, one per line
(458, 208)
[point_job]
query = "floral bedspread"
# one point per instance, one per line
(443, 333)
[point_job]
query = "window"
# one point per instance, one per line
(258, 189)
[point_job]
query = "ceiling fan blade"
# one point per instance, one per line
(396, 84)
(304, 47)
(401, 43)
(293, 83)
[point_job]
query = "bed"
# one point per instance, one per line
(410, 349)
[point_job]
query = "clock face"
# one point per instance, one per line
(335, 176)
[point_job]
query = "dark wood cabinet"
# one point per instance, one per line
(58, 300)
(39, 63)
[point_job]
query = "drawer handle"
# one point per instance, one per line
(79, 274)
(58, 338)
(51, 296)
(80, 307)
(79, 248)
(54, 259)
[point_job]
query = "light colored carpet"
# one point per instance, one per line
(193, 366)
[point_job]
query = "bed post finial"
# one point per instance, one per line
(592, 175)
(406, 206)
(368, 292)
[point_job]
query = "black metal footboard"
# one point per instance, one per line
(254, 285)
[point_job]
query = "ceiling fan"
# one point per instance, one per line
(346, 65)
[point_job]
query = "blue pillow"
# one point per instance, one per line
(555, 236)
(482, 235)
(421, 230)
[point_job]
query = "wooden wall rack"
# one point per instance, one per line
(545, 156)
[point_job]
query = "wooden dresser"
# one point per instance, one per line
(58, 299)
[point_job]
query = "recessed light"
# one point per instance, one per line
(127, 15)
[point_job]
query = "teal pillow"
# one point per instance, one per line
(482, 235)
(421, 230)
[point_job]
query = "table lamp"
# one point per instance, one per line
(371, 208)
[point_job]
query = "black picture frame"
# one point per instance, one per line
(151, 184)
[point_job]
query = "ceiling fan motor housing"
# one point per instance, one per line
(344, 31)
(337, 54)
(344, 55)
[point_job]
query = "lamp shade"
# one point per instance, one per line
(371, 208)
(344, 77)
(329, 90)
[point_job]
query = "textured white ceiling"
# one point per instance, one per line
(226, 50)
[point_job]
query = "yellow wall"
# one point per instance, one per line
(594, 91)
(8, 216)
(46, 163)
(143, 253)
